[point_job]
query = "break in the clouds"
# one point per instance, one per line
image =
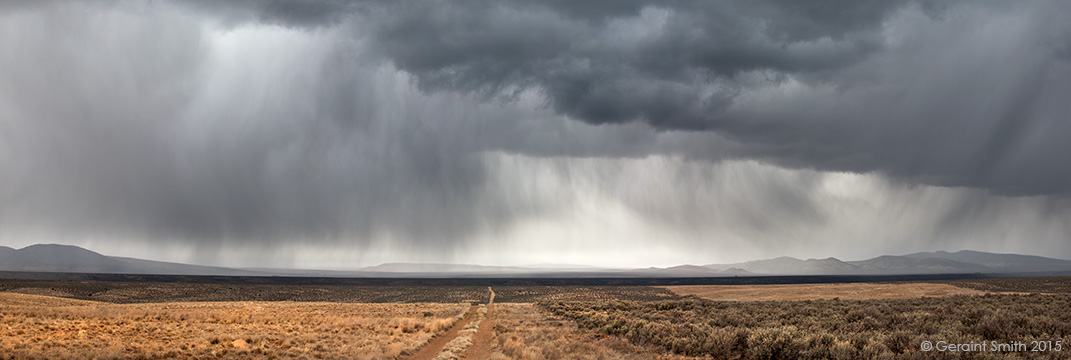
(343, 133)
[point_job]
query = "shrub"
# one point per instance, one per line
(825, 329)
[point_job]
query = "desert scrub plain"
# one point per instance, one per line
(153, 292)
(1040, 285)
(532, 294)
(41, 327)
(142, 320)
(845, 291)
(528, 332)
(830, 329)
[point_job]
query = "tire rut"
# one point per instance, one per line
(481, 344)
(436, 345)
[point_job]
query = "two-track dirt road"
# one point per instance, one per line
(436, 345)
(481, 345)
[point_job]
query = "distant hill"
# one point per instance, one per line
(685, 271)
(736, 271)
(1008, 263)
(908, 265)
(73, 259)
(789, 265)
(961, 262)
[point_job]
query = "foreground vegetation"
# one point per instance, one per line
(57, 319)
(829, 329)
(532, 294)
(844, 291)
(36, 327)
(527, 332)
(1042, 285)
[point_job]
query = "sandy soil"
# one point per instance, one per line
(854, 291)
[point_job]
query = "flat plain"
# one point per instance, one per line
(849, 291)
(154, 292)
(43, 327)
(60, 319)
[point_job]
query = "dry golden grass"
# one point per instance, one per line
(14, 299)
(39, 327)
(527, 332)
(851, 291)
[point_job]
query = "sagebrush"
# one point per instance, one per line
(829, 329)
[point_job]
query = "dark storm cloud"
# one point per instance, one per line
(970, 100)
(119, 121)
(261, 122)
(934, 94)
(668, 64)
(923, 91)
(145, 128)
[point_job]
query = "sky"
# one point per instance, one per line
(342, 134)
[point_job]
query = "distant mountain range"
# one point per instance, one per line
(67, 258)
(73, 259)
(940, 262)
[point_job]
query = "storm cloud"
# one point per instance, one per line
(949, 94)
(435, 131)
(955, 95)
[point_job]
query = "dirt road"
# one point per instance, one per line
(435, 346)
(481, 345)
